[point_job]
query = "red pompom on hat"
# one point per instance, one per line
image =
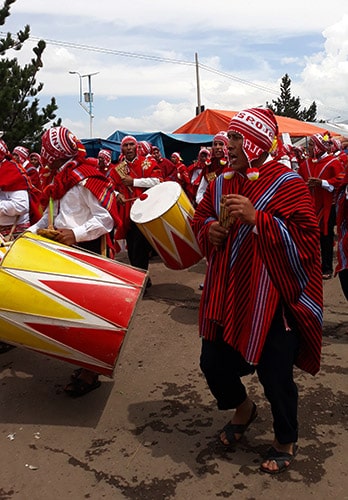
(258, 127)
(59, 143)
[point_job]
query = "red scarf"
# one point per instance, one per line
(75, 172)
(11, 177)
(96, 182)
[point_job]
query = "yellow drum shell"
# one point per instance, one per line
(66, 302)
(164, 218)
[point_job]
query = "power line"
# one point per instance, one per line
(148, 57)
(239, 80)
(159, 59)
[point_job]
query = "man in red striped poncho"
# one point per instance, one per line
(321, 171)
(342, 232)
(261, 307)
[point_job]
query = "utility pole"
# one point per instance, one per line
(199, 107)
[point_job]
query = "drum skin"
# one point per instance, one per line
(67, 303)
(164, 218)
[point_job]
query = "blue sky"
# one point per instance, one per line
(244, 50)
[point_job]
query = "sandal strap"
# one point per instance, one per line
(279, 456)
(232, 429)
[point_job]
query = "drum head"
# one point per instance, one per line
(159, 200)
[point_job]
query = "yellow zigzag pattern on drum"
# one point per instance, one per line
(174, 223)
(25, 274)
(55, 262)
(24, 303)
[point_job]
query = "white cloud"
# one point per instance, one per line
(326, 74)
(242, 47)
(181, 15)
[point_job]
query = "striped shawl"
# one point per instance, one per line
(251, 273)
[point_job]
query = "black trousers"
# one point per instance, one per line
(138, 248)
(92, 246)
(223, 368)
(343, 277)
(327, 244)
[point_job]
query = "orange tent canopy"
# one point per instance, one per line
(211, 121)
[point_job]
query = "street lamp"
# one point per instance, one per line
(88, 97)
(332, 120)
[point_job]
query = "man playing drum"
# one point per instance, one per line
(81, 210)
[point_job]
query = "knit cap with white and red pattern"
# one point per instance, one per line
(258, 127)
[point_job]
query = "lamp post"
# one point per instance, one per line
(333, 120)
(87, 97)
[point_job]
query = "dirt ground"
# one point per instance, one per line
(150, 432)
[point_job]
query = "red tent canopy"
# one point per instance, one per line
(211, 121)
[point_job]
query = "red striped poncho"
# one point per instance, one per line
(13, 177)
(139, 168)
(342, 224)
(250, 273)
(326, 168)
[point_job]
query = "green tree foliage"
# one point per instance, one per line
(21, 120)
(287, 105)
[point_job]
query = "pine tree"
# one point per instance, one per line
(21, 120)
(287, 105)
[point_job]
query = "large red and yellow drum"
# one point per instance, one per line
(164, 217)
(67, 303)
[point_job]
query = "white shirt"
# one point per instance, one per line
(146, 182)
(14, 207)
(201, 189)
(80, 211)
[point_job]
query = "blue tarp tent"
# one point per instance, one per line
(188, 145)
(93, 146)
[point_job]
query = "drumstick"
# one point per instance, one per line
(14, 225)
(142, 197)
(50, 213)
(3, 242)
